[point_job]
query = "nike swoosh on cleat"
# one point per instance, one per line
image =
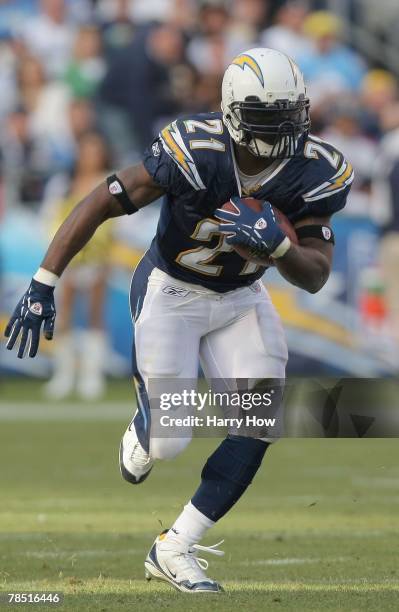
(154, 560)
(171, 573)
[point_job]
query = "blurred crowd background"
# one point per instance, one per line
(85, 86)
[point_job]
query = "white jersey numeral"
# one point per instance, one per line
(200, 259)
(315, 147)
(208, 144)
(211, 126)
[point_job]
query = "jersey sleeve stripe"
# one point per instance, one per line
(344, 173)
(328, 194)
(174, 146)
(337, 183)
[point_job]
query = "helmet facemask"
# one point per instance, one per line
(269, 129)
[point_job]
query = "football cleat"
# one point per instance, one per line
(134, 462)
(177, 564)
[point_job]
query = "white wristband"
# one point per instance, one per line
(46, 277)
(281, 249)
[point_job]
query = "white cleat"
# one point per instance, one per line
(181, 567)
(91, 388)
(134, 462)
(59, 387)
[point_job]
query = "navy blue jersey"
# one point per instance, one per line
(193, 160)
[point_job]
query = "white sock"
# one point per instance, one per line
(190, 527)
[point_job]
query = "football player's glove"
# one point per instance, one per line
(36, 306)
(258, 230)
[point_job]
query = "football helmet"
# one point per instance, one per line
(264, 103)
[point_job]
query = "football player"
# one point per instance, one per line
(193, 298)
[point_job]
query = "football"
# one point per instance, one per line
(251, 254)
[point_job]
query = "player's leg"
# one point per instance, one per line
(91, 381)
(252, 346)
(165, 355)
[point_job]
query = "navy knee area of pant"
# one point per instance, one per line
(227, 474)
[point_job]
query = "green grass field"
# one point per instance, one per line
(318, 529)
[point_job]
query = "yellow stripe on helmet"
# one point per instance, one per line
(246, 60)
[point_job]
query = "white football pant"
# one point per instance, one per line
(181, 326)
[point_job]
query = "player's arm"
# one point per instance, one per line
(326, 183)
(138, 188)
(308, 264)
(125, 193)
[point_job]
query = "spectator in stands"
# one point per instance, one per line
(86, 68)
(87, 277)
(13, 12)
(47, 104)
(151, 11)
(26, 161)
(8, 66)
(118, 28)
(49, 36)
(330, 68)
(286, 35)
(144, 12)
(217, 40)
(183, 83)
(183, 16)
(249, 19)
(345, 132)
(81, 11)
(207, 93)
(81, 118)
(386, 195)
(379, 98)
(138, 82)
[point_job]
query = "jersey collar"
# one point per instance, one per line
(267, 179)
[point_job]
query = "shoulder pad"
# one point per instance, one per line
(191, 141)
(329, 174)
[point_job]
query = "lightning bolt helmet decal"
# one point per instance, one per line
(245, 60)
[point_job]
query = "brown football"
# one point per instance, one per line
(252, 254)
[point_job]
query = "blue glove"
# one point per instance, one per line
(36, 306)
(260, 231)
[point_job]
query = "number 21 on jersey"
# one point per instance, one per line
(201, 259)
